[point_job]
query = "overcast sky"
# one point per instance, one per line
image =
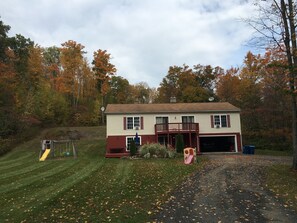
(144, 37)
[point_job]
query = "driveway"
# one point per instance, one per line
(229, 189)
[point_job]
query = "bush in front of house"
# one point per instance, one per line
(133, 148)
(179, 145)
(171, 152)
(156, 150)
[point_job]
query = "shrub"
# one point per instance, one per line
(179, 145)
(153, 148)
(171, 153)
(156, 150)
(161, 152)
(147, 156)
(143, 150)
(133, 148)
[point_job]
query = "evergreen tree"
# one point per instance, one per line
(179, 145)
(133, 148)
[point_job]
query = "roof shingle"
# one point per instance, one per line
(171, 108)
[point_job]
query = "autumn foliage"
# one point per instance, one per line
(58, 86)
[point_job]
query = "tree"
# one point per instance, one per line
(251, 76)
(3, 41)
(35, 79)
(52, 64)
(168, 87)
(179, 144)
(8, 117)
(141, 93)
(153, 95)
(7, 71)
(133, 148)
(35, 66)
(120, 91)
(228, 86)
(276, 101)
(103, 69)
(189, 84)
(72, 61)
(276, 24)
(20, 47)
(207, 76)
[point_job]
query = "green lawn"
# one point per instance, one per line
(273, 152)
(282, 181)
(88, 189)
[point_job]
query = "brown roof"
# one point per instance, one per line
(170, 108)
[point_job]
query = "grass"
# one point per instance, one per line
(282, 181)
(273, 152)
(88, 189)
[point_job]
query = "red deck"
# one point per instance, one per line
(176, 128)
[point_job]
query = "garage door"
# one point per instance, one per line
(217, 144)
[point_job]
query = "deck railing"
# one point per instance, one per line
(176, 127)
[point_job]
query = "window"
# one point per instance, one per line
(133, 122)
(137, 122)
(162, 123)
(163, 140)
(161, 120)
(220, 121)
(217, 120)
(187, 120)
(224, 121)
(129, 140)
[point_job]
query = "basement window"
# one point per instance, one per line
(129, 140)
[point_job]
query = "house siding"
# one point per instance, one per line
(114, 126)
(119, 142)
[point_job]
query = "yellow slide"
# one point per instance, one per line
(44, 155)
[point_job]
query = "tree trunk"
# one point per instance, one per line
(294, 131)
(287, 13)
(292, 24)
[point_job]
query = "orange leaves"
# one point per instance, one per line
(103, 69)
(35, 65)
(71, 58)
(102, 65)
(228, 87)
(74, 70)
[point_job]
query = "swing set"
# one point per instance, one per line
(57, 149)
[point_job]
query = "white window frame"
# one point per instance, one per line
(218, 121)
(135, 124)
(128, 143)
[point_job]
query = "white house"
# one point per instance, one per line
(208, 127)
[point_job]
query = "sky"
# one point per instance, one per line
(144, 37)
